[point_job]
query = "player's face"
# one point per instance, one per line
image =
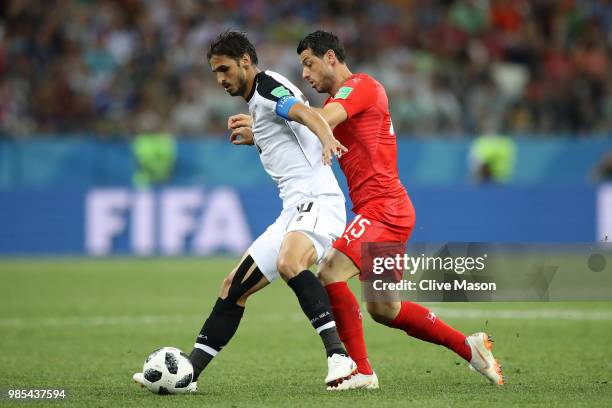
(231, 74)
(317, 71)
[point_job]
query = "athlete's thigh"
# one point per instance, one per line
(265, 249)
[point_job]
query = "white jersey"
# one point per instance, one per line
(290, 153)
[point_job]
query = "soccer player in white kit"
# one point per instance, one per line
(295, 146)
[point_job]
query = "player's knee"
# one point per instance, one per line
(381, 312)
(377, 315)
(325, 273)
(322, 278)
(231, 292)
(329, 272)
(287, 266)
(241, 301)
(238, 296)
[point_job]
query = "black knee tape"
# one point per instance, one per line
(238, 287)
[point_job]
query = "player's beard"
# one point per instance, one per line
(326, 83)
(242, 85)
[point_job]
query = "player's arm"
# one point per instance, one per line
(348, 102)
(241, 126)
(333, 113)
(290, 108)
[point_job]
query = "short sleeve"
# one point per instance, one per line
(356, 95)
(271, 89)
(281, 96)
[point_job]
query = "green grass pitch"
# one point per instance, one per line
(87, 325)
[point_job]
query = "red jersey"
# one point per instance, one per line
(370, 165)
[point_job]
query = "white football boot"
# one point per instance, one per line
(482, 358)
(339, 369)
(140, 380)
(358, 381)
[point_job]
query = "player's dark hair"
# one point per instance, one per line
(320, 42)
(233, 44)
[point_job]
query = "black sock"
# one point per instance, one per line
(199, 360)
(332, 342)
(315, 304)
(217, 331)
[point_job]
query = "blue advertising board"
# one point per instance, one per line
(224, 219)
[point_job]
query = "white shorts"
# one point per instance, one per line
(322, 219)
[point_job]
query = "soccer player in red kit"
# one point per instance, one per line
(357, 110)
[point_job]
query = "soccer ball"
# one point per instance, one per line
(167, 371)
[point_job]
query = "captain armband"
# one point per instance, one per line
(284, 104)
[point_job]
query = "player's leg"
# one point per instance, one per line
(334, 272)
(420, 322)
(296, 255)
(414, 319)
(224, 319)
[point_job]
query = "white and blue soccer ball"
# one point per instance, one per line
(167, 371)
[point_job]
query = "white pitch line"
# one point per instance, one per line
(562, 314)
(93, 321)
(443, 312)
(545, 314)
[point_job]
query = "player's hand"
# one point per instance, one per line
(240, 120)
(242, 136)
(332, 148)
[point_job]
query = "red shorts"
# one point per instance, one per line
(364, 231)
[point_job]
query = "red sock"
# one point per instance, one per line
(348, 322)
(420, 322)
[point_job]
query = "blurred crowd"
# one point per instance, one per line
(463, 67)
